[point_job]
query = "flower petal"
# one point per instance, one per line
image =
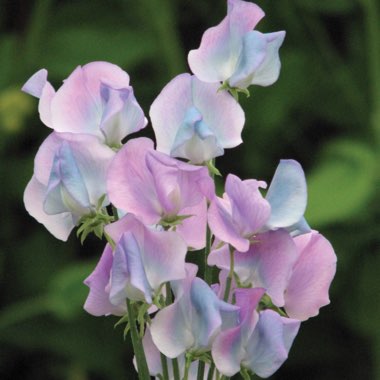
(313, 272)
(270, 343)
(97, 302)
(77, 105)
(130, 184)
(59, 225)
(215, 59)
(287, 195)
(269, 70)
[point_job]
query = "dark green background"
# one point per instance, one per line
(324, 111)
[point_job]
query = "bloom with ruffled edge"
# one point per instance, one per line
(68, 182)
(241, 212)
(158, 188)
(193, 320)
(95, 99)
(192, 120)
(268, 263)
(260, 342)
(144, 259)
(232, 52)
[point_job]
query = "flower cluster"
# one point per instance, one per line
(274, 272)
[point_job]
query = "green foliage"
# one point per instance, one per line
(343, 183)
(66, 291)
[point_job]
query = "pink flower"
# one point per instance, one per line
(192, 120)
(95, 99)
(68, 182)
(233, 52)
(157, 188)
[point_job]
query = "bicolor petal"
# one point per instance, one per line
(192, 120)
(229, 347)
(98, 302)
(217, 56)
(270, 343)
(59, 225)
(95, 99)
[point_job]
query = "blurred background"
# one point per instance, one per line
(324, 112)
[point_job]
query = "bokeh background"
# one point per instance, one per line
(324, 111)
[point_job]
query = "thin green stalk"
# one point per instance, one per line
(201, 370)
(138, 348)
(36, 32)
(230, 276)
(176, 369)
(164, 364)
(169, 297)
(187, 367)
(372, 21)
(211, 371)
(164, 24)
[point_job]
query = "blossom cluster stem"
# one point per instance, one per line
(201, 370)
(372, 19)
(211, 371)
(176, 369)
(230, 276)
(164, 364)
(138, 348)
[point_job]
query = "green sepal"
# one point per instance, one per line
(173, 222)
(213, 170)
(246, 373)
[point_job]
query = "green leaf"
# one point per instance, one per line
(342, 184)
(67, 48)
(67, 292)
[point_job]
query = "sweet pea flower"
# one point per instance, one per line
(268, 263)
(240, 214)
(232, 52)
(158, 188)
(69, 181)
(192, 120)
(143, 260)
(95, 99)
(287, 196)
(193, 320)
(260, 342)
(313, 272)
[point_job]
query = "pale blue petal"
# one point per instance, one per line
(287, 195)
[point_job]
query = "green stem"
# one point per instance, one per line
(230, 276)
(164, 24)
(36, 32)
(187, 367)
(169, 298)
(211, 371)
(164, 364)
(201, 370)
(372, 20)
(138, 348)
(176, 369)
